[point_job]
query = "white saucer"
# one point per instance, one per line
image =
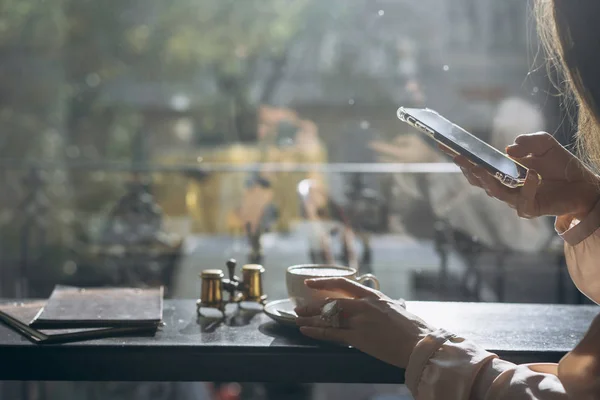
(282, 311)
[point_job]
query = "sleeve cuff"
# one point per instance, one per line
(574, 231)
(445, 366)
(421, 354)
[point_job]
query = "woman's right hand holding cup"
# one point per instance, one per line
(566, 187)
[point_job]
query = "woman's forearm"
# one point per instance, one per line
(448, 367)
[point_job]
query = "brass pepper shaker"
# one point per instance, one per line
(252, 275)
(214, 283)
(211, 292)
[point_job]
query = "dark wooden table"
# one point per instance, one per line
(249, 347)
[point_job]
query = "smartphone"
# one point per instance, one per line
(509, 172)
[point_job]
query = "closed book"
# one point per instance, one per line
(71, 307)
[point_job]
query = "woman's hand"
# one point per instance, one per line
(567, 186)
(370, 321)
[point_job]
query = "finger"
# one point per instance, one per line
(349, 309)
(447, 150)
(532, 162)
(311, 309)
(462, 162)
(346, 322)
(314, 321)
(326, 334)
(343, 285)
(536, 144)
(347, 306)
(527, 207)
(466, 167)
(494, 188)
(479, 172)
(472, 179)
(497, 190)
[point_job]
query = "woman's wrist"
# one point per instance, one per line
(584, 212)
(589, 200)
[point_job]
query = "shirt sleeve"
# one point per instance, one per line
(444, 366)
(574, 231)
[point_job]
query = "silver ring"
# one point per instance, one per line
(330, 313)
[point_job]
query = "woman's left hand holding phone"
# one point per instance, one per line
(567, 186)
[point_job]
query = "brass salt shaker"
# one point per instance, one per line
(252, 283)
(248, 289)
(211, 292)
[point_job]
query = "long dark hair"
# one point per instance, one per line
(570, 32)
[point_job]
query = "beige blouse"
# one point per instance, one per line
(445, 366)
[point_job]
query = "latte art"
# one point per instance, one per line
(321, 272)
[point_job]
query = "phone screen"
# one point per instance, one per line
(469, 143)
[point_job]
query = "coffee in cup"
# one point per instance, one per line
(300, 294)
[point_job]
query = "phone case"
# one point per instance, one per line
(507, 180)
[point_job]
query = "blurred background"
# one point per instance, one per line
(142, 141)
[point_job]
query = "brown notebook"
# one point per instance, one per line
(71, 307)
(18, 316)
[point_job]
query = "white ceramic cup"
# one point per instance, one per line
(300, 294)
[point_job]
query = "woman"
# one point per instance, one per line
(440, 365)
